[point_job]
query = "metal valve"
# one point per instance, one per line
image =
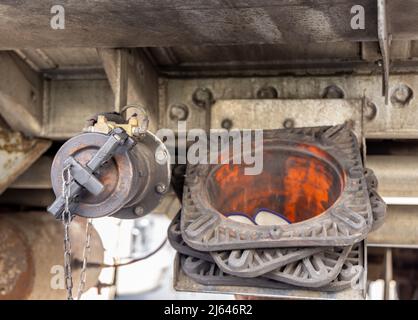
(114, 172)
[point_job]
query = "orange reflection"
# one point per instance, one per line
(296, 185)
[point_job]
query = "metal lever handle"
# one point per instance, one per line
(84, 176)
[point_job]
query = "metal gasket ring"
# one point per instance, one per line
(244, 263)
(347, 221)
(314, 271)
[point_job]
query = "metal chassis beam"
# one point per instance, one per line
(133, 80)
(132, 23)
(397, 120)
(20, 95)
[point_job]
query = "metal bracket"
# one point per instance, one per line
(84, 176)
(384, 43)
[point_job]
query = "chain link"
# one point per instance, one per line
(66, 219)
(86, 253)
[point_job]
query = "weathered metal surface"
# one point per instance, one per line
(37, 176)
(161, 23)
(16, 263)
(82, 97)
(401, 17)
(245, 114)
(399, 230)
(142, 80)
(392, 121)
(397, 175)
(17, 154)
(255, 56)
(31, 251)
(20, 95)
(121, 87)
(64, 59)
(69, 103)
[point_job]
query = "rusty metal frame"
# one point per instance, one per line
(17, 154)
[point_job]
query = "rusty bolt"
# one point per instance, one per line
(226, 124)
(402, 95)
(161, 188)
(333, 92)
(179, 112)
(289, 123)
(203, 97)
(267, 93)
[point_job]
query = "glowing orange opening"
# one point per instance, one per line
(298, 182)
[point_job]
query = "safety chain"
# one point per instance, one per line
(66, 219)
(86, 253)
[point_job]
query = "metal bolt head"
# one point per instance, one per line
(267, 93)
(289, 123)
(161, 188)
(333, 92)
(226, 124)
(202, 97)
(402, 95)
(179, 112)
(139, 211)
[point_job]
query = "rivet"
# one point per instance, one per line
(226, 124)
(289, 123)
(202, 97)
(333, 92)
(179, 112)
(267, 93)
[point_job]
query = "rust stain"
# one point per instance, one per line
(16, 263)
(14, 142)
